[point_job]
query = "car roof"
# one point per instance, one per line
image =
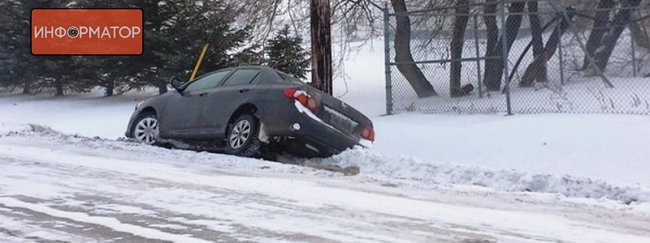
(262, 68)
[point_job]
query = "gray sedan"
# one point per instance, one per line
(248, 111)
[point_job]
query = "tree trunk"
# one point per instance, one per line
(598, 30)
(110, 87)
(27, 87)
(537, 70)
(162, 88)
(321, 46)
(457, 42)
(58, 85)
(535, 28)
(617, 25)
(403, 57)
(492, 30)
(494, 67)
(639, 35)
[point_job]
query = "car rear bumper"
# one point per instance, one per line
(326, 139)
(322, 139)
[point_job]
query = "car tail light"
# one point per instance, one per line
(303, 98)
(368, 133)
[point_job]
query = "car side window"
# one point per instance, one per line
(207, 82)
(242, 77)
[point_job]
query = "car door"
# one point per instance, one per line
(182, 114)
(233, 92)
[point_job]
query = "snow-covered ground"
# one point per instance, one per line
(73, 188)
(66, 175)
(577, 94)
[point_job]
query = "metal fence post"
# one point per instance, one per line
(633, 56)
(478, 56)
(504, 55)
(389, 84)
(583, 46)
(561, 58)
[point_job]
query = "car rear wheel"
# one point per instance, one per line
(243, 137)
(146, 128)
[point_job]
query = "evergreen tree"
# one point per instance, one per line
(113, 73)
(18, 69)
(249, 56)
(6, 56)
(174, 33)
(22, 69)
(286, 54)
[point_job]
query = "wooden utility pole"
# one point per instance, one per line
(321, 46)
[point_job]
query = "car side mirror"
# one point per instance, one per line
(177, 84)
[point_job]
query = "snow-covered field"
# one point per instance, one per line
(65, 175)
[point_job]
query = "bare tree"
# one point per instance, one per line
(352, 21)
(537, 70)
(321, 46)
(615, 28)
(494, 67)
(403, 58)
(535, 28)
(490, 19)
(639, 35)
(598, 30)
(457, 42)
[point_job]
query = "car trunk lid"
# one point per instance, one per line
(338, 114)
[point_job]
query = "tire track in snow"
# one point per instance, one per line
(98, 220)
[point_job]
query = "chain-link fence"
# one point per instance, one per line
(590, 57)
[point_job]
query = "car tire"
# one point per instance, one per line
(243, 137)
(145, 128)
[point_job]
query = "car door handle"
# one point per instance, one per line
(243, 90)
(203, 94)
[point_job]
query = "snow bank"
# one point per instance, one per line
(127, 149)
(604, 147)
(408, 168)
(7, 128)
(86, 114)
(371, 163)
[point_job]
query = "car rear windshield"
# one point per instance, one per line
(290, 78)
(242, 77)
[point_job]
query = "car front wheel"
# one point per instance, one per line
(146, 128)
(242, 138)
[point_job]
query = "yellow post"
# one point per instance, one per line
(198, 62)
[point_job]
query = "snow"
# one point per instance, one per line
(608, 147)
(579, 94)
(302, 109)
(501, 180)
(109, 222)
(440, 177)
(187, 196)
(605, 147)
(375, 163)
(32, 234)
(87, 114)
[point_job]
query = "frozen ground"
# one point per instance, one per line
(429, 178)
(437, 177)
(73, 188)
(577, 94)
